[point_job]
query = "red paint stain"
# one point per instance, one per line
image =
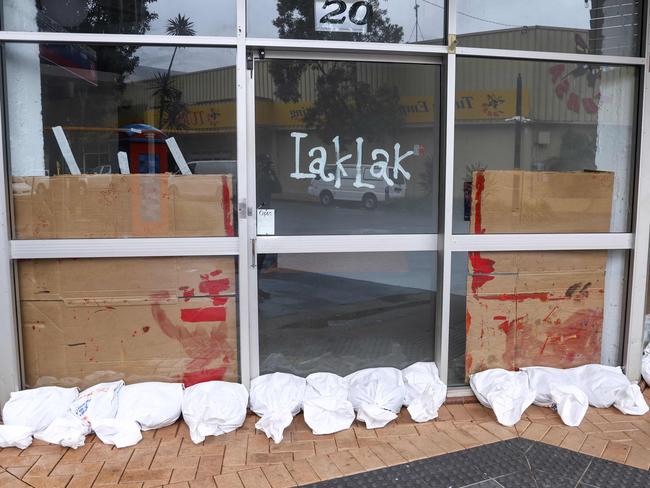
(481, 267)
(480, 186)
(203, 345)
(520, 297)
(468, 322)
(572, 342)
(219, 301)
(187, 292)
(205, 314)
(213, 287)
(510, 328)
(550, 313)
(214, 374)
(146, 329)
(227, 208)
(469, 360)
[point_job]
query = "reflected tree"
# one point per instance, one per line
(99, 17)
(344, 104)
(172, 108)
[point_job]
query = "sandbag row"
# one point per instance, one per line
(118, 413)
(569, 391)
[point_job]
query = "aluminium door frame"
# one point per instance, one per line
(315, 243)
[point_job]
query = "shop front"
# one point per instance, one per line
(214, 193)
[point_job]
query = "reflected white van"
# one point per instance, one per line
(369, 197)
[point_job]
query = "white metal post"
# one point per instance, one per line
(441, 346)
(253, 308)
(633, 344)
(10, 377)
(242, 185)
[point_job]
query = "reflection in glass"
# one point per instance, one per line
(544, 146)
(344, 312)
(348, 148)
(515, 309)
(162, 17)
(99, 138)
(394, 21)
(610, 27)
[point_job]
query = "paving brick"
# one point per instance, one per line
(254, 478)
(302, 472)
(230, 480)
(278, 476)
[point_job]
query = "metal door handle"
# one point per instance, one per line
(254, 254)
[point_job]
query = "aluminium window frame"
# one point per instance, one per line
(637, 242)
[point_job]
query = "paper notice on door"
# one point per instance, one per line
(265, 222)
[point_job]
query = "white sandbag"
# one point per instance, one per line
(94, 404)
(630, 401)
(506, 392)
(425, 391)
(326, 406)
(37, 408)
(97, 402)
(67, 431)
(31, 411)
(214, 408)
(541, 379)
(118, 432)
(570, 402)
(605, 386)
(276, 398)
(645, 364)
(152, 405)
(601, 383)
(377, 395)
(15, 436)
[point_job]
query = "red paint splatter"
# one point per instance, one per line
(520, 297)
(227, 208)
(555, 308)
(213, 287)
(469, 360)
(572, 342)
(205, 314)
(203, 345)
(214, 374)
(146, 329)
(480, 186)
(468, 322)
(481, 267)
(187, 292)
(219, 300)
(509, 328)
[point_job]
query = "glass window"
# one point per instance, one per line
(171, 17)
(121, 141)
(517, 309)
(610, 27)
(348, 147)
(85, 321)
(344, 312)
(395, 21)
(544, 147)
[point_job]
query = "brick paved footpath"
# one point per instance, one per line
(247, 459)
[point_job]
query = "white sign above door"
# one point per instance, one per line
(342, 15)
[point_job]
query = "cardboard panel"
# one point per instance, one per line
(127, 279)
(541, 202)
(536, 308)
(138, 205)
(110, 319)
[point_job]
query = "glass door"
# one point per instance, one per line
(346, 176)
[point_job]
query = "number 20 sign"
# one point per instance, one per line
(342, 16)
